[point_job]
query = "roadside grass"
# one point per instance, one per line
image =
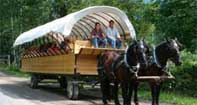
(12, 70)
(175, 98)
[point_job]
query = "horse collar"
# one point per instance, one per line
(125, 57)
(131, 68)
(155, 60)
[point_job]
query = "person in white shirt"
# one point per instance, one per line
(113, 36)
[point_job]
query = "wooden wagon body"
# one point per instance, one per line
(83, 61)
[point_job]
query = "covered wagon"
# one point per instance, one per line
(44, 58)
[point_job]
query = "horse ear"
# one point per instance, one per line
(175, 39)
(135, 41)
(182, 47)
(143, 39)
(167, 40)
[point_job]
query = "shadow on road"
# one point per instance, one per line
(45, 92)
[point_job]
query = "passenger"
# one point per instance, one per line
(51, 49)
(55, 49)
(98, 36)
(44, 48)
(65, 44)
(27, 50)
(113, 36)
(33, 51)
(49, 44)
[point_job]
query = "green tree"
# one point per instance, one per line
(178, 18)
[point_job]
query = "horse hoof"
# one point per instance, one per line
(136, 103)
(105, 103)
(127, 104)
(109, 100)
(117, 104)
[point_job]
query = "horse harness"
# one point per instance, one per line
(124, 64)
(155, 61)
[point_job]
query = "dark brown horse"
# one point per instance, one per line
(168, 50)
(121, 68)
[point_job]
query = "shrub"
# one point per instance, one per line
(186, 75)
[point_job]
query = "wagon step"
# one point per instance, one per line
(155, 77)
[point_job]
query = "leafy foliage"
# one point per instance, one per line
(178, 18)
(185, 75)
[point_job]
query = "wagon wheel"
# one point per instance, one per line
(73, 90)
(63, 81)
(34, 82)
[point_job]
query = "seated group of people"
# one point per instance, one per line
(112, 36)
(49, 49)
(98, 37)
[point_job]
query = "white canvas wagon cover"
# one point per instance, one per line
(81, 23)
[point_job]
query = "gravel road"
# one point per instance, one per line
(16, 91)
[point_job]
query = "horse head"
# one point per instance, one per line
(173, 50)
(137, 53)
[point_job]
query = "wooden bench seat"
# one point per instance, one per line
(96, 51)
(86, 47)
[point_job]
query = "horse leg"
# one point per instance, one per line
(136, 84)
(153, 93)
(103, 81)
(115, 90)
(105, 88)
(108, 90)
(111, 92)
(130, 90)
(158, 93)
(124, 87)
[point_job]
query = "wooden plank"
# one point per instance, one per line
(156, 78)
(86, 61)
(81, 44)
(96, 51)
(61, 64)
(87, 64)
(84, 51)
